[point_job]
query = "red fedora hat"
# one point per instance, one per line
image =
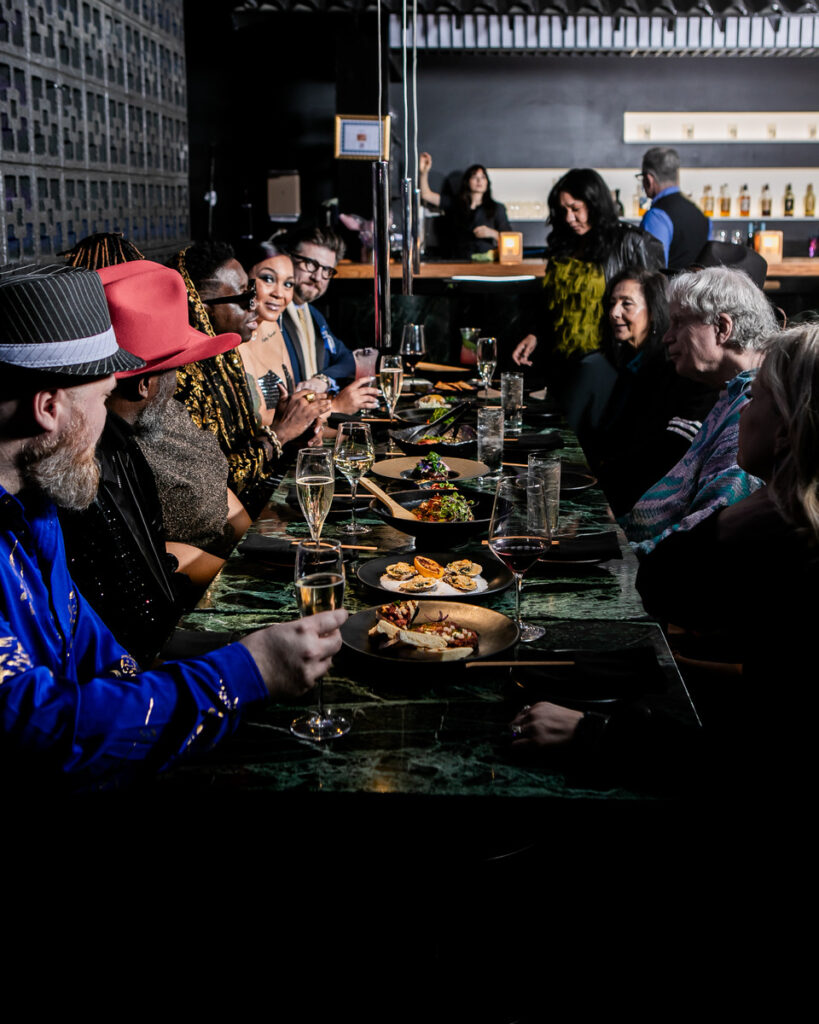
(148, 304)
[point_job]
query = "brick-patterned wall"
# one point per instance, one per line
(93, 125)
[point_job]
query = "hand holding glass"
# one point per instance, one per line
(319, 582)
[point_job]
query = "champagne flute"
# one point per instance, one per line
(519, 534)
(413, 345)
(391, 379)
(315, 484)
(319, 582)
(487, 361)
(354, 455)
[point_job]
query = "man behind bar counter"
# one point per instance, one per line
(74, 709)
(675, 220)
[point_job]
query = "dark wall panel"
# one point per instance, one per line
(93, 124)
(528, 111)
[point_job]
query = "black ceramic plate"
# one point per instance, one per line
(497, 576)
(496, 633)
(534, 417)
(574, 479)
(598, 677)
(399, 469)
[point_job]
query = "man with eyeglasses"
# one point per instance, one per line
(323, 358)
(315, 252)
(681, 227)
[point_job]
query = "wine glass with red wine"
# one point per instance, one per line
(519, 534)
(413, 345)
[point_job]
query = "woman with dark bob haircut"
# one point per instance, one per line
(652, 413)
(474, 219)
(586, 248)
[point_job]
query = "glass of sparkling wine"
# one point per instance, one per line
(319, 582)
(391, 379)
(519, 535)
(354, 455)
(487, 360)
(315, 484)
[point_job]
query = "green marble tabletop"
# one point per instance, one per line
(440, 731)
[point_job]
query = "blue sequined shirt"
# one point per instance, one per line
(73, 704)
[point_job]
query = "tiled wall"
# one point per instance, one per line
(93, 124)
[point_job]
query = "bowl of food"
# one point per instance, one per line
(441, 519)
(462, 442)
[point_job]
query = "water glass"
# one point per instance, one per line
(545, 466)
(512, 401)
(490, 438)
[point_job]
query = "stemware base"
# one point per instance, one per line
(319, 727)
(354, 528)
(529, 631)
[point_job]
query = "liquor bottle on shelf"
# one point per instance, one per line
(724, 201)
(789, 201)
(750, 236)
(810, 202)
(766, 202)
(636, 201)
(744, 202)
(707, 201)
(617, 204)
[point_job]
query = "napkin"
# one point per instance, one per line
(599, 546)
(279, 548)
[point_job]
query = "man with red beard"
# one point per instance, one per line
(73, 705)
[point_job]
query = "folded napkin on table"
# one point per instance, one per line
(599, 546)
(255, 544)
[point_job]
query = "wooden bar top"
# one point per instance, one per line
(790, 266)
(347, 270)
(794, 266)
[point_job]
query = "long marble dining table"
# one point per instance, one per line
(437, 734)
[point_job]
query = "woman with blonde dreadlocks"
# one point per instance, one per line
(216, 390)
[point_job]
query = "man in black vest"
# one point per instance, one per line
(675, 220)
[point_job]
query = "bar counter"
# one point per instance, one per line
(437, 269)
(789, 266)
(439, 730)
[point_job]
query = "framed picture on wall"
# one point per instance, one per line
(366, 137)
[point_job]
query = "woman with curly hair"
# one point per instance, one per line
(587, 247)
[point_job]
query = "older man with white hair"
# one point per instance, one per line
(73, 705)
(719, 323)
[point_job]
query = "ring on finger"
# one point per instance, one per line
(310, 397)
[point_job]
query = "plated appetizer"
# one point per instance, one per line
(446, 507)
(426, 576)
(441, 639)
(430, 469)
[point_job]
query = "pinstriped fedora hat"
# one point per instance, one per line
(55, 319)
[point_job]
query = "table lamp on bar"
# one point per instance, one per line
(510, 247)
